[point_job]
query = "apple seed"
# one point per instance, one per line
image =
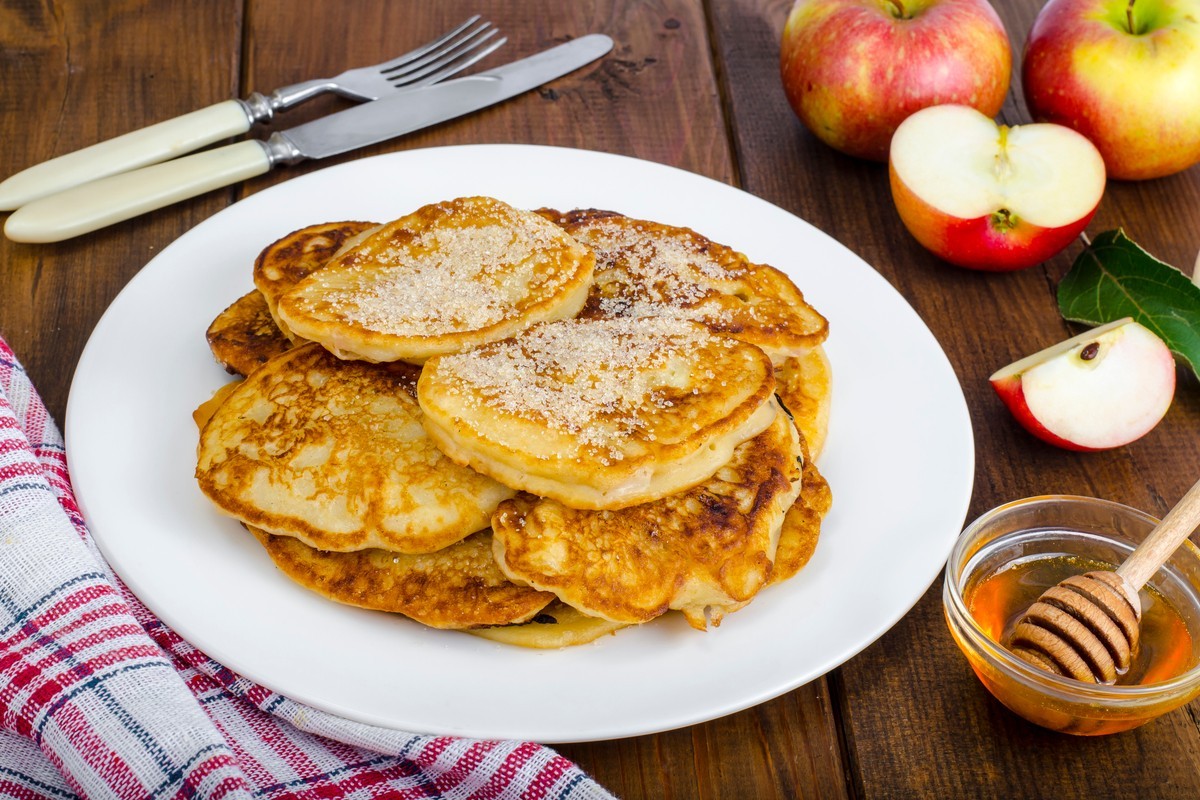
(1090, 351)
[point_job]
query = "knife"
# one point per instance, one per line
(103, 202)
(423, 66)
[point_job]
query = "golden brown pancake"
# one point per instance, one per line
(449, 276)
(556, 625)
(647, 269)
(804, 384)
(599, 413)
(334, 454)
(205, 410)
(245, 336)
(802, 525)
(457, 587)
(285, 262)
(705, 551)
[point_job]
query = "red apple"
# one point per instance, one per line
(854, 69)
(1125, 74)
(1098, 390)
(990, 197)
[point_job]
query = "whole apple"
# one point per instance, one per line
(854, 69)
(1125, 74)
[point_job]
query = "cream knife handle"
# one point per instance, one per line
(148, 145)
(119, 197)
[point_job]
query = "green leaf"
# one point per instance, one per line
(1114, 278)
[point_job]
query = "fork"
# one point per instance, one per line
(434, 61)
(429, 63)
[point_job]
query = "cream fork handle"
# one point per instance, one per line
(119, 197)
(149, 145)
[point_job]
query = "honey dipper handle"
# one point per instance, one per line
(1152, 553)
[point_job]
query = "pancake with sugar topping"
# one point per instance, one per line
(646, 269)
(288, 260)
(458, 587)
(705, 551)
(243, 337)
(449, 276)
(599, 413)
(334, 454)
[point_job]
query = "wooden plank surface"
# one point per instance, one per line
(692, 84)
(75, 73)
(917, 722)
(637, 101)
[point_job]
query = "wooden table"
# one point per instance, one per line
(692, 84)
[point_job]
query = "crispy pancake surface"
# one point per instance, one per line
(705, 551)
(244, 336)
(647, 269)
(556, 625)
(457, 587)
(334, 454)
(804, 384)
(205, 410)
(449, 276)
(802, 525)
(288, 260)
(599, 413)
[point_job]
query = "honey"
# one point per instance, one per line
(996, 574)
(998, 601)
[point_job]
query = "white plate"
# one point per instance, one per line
(899, 458)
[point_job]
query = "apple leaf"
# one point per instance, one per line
(1114, 278)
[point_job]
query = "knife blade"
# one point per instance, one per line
(103, 202)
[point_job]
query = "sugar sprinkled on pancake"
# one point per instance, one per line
(648, 269)
(599, 413)
(292, 258)
(444, 278)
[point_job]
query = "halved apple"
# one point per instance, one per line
(1101, 389)
(990, 197)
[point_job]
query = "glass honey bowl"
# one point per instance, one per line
(1002, 563)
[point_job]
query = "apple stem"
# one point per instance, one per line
(1129, 17)
(899, 11)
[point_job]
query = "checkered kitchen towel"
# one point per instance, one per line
(99, 698)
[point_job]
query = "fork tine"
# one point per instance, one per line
(468, 39)
(451, 61)
(457, 67)
(413, 55)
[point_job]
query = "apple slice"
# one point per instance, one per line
(989, 197)
(1101, 389)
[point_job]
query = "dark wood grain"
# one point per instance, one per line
(75, 73)
(653, 97)
(693, 84)
(917, 722)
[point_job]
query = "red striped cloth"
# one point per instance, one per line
(98, 698)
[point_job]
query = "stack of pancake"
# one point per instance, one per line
(539, 427)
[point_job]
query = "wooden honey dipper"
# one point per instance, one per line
(1087, 626)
